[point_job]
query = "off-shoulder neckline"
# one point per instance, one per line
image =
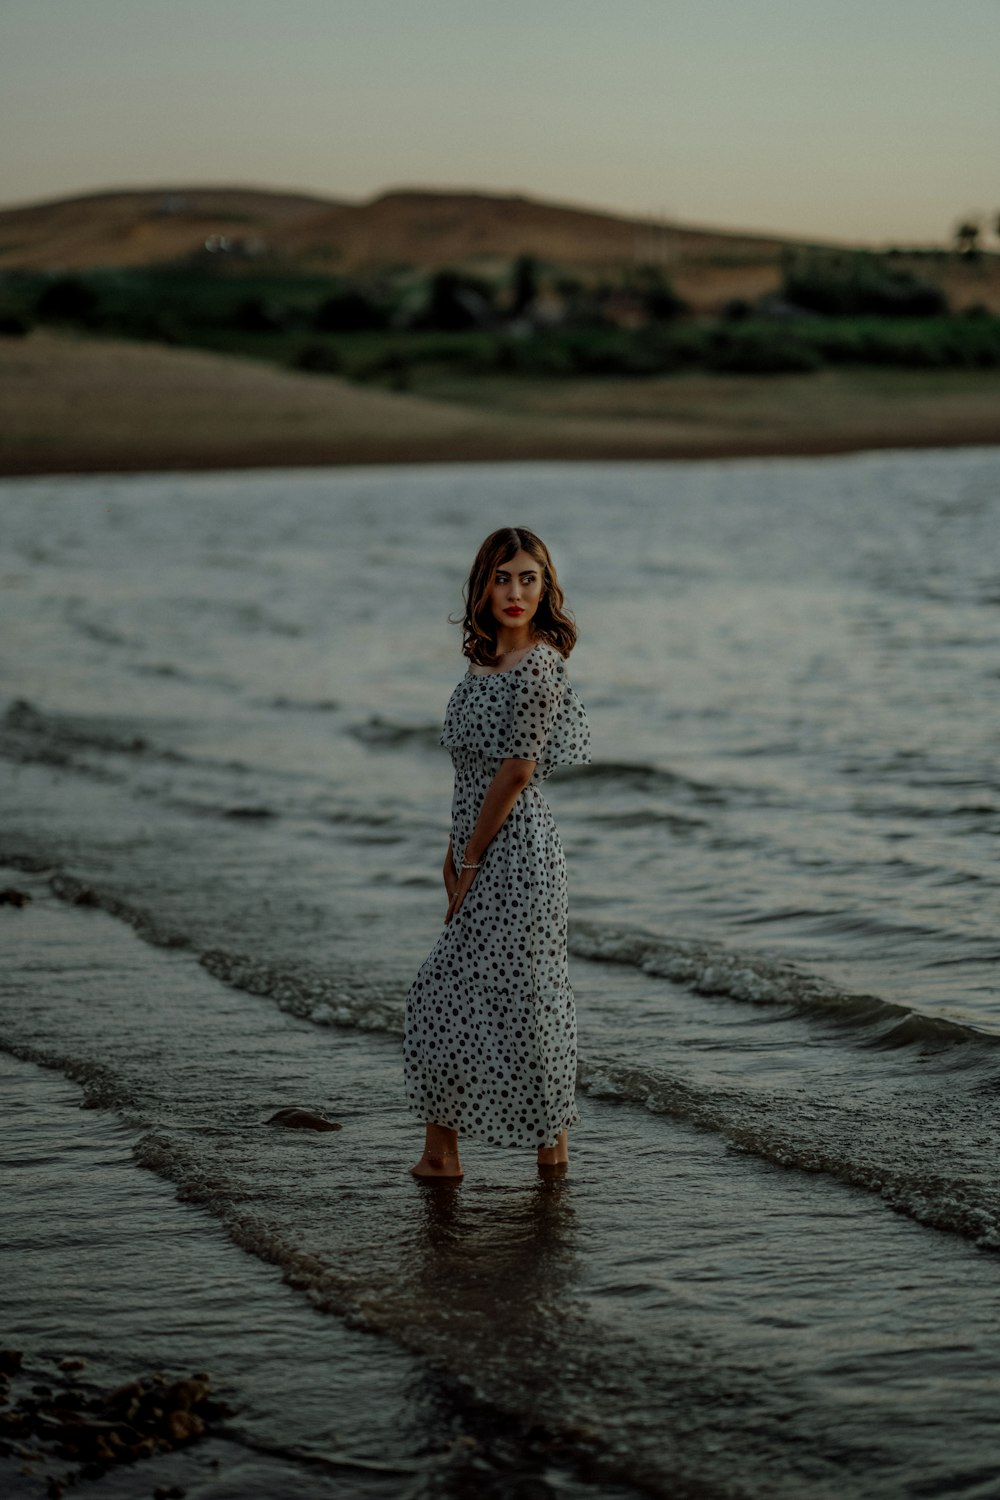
(517, 665)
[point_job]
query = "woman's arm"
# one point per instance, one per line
(450, 878)
(507, 785)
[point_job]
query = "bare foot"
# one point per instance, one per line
(442, 1164)
(440, 1158)
(554, 1160)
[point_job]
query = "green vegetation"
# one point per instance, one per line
(859, 284)
(401, 327)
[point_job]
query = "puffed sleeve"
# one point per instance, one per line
(547, 722)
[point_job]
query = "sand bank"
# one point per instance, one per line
(82, 405)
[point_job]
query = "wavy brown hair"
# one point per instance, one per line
(552, 622)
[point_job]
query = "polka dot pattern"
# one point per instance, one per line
(490, 1043)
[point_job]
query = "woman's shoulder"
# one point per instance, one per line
(542, 660)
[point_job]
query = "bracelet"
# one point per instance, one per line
(471, 867)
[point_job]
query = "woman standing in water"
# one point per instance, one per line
(490, 1046)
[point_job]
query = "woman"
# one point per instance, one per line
(490, 1047)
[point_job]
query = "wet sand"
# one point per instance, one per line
(90, 406)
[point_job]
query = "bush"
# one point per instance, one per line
(858, 284)
(621, 354)
(67, 300)
(922, 344)
(737, 310)
(391, 368)
(524, 284)
(254, 315)
(350, 310)
(14, 325)
(318, 359)
(660, 302)
(758, 349)
(456, 302)
(156, 327)
(534, 356)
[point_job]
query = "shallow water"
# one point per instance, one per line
(221, 728)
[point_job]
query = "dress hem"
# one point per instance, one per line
(507, 1142)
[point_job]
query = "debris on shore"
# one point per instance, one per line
(93, 1430)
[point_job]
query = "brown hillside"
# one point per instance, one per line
(429, 229)
(424, 229)
(140, 228)
(421, 228)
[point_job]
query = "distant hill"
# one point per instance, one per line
(141, 228)
(428, 229)
(421, 228)
(425, 229)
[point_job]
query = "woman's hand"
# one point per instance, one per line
(463, 885)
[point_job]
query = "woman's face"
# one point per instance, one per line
(517, 591)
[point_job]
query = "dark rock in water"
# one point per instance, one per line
(11, 897)
(303, 1119)
(10, 1361)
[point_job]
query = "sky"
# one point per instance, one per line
(874, 120)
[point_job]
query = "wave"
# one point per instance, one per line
(108, 749)
(643, 817)
(384, 732)
(96, 630)
(31, 734)
(310, 995)
(710, 969)
(300, 705)
(334, 1290)
(628, 775)
(970, 1209)
(706, 968)
(26, 733)
(640, 777)
(703, 967)
(496, 1399)
(253, 616)
(170, 670)
(853, 1142)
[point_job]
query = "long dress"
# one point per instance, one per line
(490, 1041)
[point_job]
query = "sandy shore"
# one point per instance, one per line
(76, 405)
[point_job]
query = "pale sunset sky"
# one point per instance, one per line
(873, 120)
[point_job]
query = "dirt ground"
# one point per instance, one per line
(77, 405)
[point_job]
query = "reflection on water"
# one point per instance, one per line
(487, 1274)
(505, 1256)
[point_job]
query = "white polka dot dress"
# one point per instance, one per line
(490, 1042)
